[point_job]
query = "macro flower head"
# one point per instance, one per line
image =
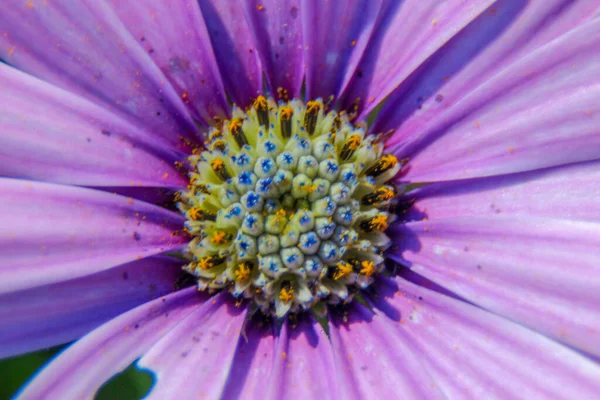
(301, 199)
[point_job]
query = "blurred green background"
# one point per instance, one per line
(15, 372)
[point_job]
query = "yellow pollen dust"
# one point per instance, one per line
(286, 112)
(286, 295)
(242, 273)
(368, 268)
(379, 222)
(219, 237)
(343, 270)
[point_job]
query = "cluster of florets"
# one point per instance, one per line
(288, 207)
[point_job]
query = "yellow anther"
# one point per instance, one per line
(206, 263)
(217, 163)
(313, 106)
(389, 161)
(219, 237)
(286, 294)
(260, 102)
(386, 193)
(353, 142)
(195, 213)
(242, 274)
(343, 270)
(368, 268)
(286, 112)
(234, 125)
(379, 222)
(218, 144)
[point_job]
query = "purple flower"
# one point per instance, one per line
(490, 285)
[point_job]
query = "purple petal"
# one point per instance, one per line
(335, 37)
(277, 30)
(540, 272)
(52, 233)
(46, 316)
(569, 192)
(50, 134)
(539, 112)
(507, 31)
(304, 367)
(373, 360)
(234, 48)
(471, 353)
(176, 38)
(82, 46)
(86, 365)
(193, 360)
(407, 34)
(252, 364)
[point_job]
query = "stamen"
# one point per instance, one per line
(311, 115)
(379, 196)
(350, 147)
(382, 165)
(286, 121)
(218, 166)
(368, 268)
(220, 237)
(210, 262)
(262, 110)
(242, 274)
(343, 270)
(235, 127)
(286, 294)
(377, 223)
(198, 214)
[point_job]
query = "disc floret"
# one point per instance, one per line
(288, 207)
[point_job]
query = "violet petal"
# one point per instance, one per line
(52, 233)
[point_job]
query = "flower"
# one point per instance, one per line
(490, 285)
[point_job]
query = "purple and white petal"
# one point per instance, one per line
(507, 31)
(86, 365)
(335, 35)
(83, 47)
(193, 360)
(374, 360)
(174, 34)
(304, 366)
(234, 49)
(539, 112)
(252, 364)
(473, 354)
(52, 233)
(52, 135)
(569, 192)
(543, 273)
(276, 27)
(406, 35)
(49, 315)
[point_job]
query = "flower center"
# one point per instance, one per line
(288, 207)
